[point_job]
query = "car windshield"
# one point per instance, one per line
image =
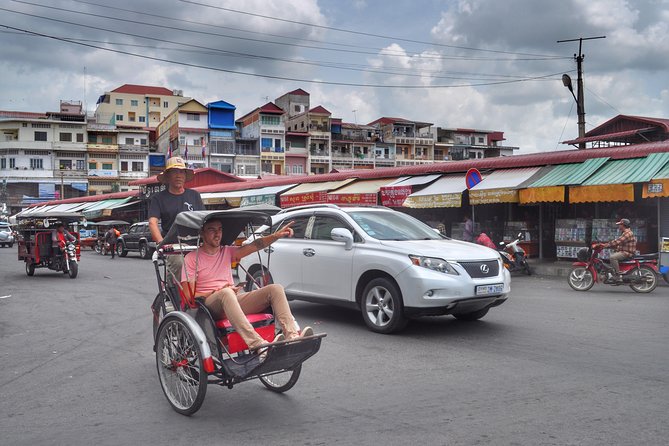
(384, 225)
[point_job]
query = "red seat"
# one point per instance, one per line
(263, 323)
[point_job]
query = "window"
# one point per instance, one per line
(119, 102)
(93, 138)
(298, 109)
(65, 137)
(137, 166)
(182, 140)
(134, 103)
(80, 137)
(266, 143)
(40, 126)
(298, 168)
(107, 166)
(192, 117)
(323, 226)
(300, 226)
(130, 141)
(65, 164)
(480, 139)
(92, 166)
(142, 119)
(107, 140)
(142, 141)
(40, 136)
(81, 165)
(3, 163)
(36, 163)
(277, 144)
(119, 117)
(166, 104)
(270, 120)
(124, 166)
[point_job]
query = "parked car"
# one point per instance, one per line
(137, 239)
(387, 264)
(7, 235)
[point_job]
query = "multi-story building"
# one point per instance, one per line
(222, 152)
(43, 155)
(459, 144)
(137, 106)
(183, 132)
(413, 140)
(354, 147)
(315, 125)
(263, 128)
(294, 103)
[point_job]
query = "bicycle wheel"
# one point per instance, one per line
(180, 367)
(281, 382)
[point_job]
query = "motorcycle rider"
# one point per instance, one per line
(624, 246)
(59, 237)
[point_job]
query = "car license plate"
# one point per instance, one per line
(482, 290)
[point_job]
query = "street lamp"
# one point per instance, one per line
(566, 81)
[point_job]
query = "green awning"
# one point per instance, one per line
(96, 210)
(663, 173)
(627, 171)
(569, 174)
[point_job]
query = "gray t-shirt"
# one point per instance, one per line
(165, 206)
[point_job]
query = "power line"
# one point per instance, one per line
(266, 76)
(360, 33)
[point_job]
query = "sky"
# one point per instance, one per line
(483, 64)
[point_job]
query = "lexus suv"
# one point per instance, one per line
(6, 235)
(386, 264)
(138, 239)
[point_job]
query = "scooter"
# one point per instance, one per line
(514, 256)
(639, 272)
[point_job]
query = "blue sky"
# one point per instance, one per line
(450, 49)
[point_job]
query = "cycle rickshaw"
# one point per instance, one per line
(192, 348)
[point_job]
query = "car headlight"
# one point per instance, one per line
(434, 263)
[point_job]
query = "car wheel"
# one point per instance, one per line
(260, 277)
(144, 251)
(382, 307)
(11, 245)
(473, 316)
(120, 250)
(30, 268)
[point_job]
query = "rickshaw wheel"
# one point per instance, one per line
(73, 269)
(180, 367)
(30, 268)
(281, 382)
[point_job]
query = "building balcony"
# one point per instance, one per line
(342, 155)
(127, 175)
(354, 138)
(272, 156)
(25, 173)
(26, 145)
(320, 159)
(69, 146)
(412, 162)
(70, 173)
(133, 148)
(106, 148)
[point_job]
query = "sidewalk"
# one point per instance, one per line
(550, 267)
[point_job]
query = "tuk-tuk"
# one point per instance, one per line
(40, 246)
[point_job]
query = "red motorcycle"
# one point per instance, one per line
(640, 272)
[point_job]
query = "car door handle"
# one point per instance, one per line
(269, 249)
(309, 252)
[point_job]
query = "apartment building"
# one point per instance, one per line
(223, 154)
(263, 128)
(183, 132)
(460, 143)
(137, 106)
(413, 141)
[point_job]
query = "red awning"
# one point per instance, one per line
(609, 136)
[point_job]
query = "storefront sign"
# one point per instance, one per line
(300, 199)
(489, 196)
(258, 199)
(655, 188)
(394, 196)
(360, 199)
(434, 201)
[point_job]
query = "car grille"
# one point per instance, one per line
(476, 269)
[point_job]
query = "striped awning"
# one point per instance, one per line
(446, 192)
(501, 186)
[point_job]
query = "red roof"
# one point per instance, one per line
(209, 174)
(271, 107)
(143, 89)
(300, 92)
(483, 164)
(320, 109)
(20, 114)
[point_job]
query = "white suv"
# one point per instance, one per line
(385, 263)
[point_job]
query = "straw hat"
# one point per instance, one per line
(176, 162)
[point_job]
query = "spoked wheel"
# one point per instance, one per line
(30, 268)
(581, 279)
(73, 269)
(281, 382)
(382, 307)
(644, 280)
(97, 248)
(180, 367)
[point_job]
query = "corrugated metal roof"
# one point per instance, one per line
(635, 170)
(447, 184)
(663, 173)
(506, 179)
(570, 174)
(363, 187)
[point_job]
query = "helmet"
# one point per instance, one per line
(583, 254)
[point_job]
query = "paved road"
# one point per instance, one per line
(551, 366)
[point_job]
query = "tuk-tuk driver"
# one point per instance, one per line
(61, 236)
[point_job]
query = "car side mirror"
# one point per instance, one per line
(342, 235)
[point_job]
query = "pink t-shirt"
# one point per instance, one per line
(214, 271)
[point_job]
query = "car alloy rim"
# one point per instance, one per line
(380, 306)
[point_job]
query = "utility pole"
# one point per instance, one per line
(566, 80)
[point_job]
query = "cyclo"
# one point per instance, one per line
(192, 348)
(37, 248)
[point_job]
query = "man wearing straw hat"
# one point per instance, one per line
(166, 204)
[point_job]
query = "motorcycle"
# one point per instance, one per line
(68, 263)
(513, 256)
(640, 272)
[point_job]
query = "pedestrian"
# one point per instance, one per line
(468, 231)
(484, 240)
(111, 237)
(167, 204)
